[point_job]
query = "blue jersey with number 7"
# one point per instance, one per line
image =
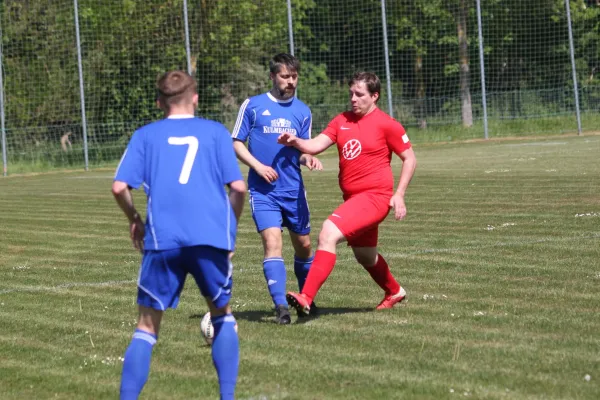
(184, 165)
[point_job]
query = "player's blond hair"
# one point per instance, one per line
(175, 87)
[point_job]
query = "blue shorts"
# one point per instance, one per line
(163, 273)
(278, 210)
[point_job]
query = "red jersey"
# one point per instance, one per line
(365, 147)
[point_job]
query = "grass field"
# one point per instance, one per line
(499, 255)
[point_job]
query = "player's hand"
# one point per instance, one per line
(267, 173)
(287, 139)
(397, 203)
(311, 162)
(136, 232)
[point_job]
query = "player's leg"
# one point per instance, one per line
(268, 219)
(364, 245)
(136, 366)
(303, 256)
(379, 269)
(296, 217)
(321, 268)
(159, 286)
(225, 348)
(275, 273)
(355, 215)
(213, 272)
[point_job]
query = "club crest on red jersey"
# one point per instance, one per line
(351, 149)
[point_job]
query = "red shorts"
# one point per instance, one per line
(358, 218)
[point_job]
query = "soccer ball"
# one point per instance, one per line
(206, 327)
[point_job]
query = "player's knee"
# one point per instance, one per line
(330, 234)
(149, 319)
(365, 260)
(304, 250)
(272, 243)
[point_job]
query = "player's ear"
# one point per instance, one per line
(195, 100)
(161, 105)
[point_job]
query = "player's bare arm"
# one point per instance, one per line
(312, 146)
(237, 193)
(124, 199)
(244, 155)
(409, 164)
(311, 162)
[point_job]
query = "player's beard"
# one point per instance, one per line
(286, 93)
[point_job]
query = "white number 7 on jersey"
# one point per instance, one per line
(190, 156)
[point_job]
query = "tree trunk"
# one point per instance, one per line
(463, 56)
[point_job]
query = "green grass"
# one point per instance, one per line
(499, 254)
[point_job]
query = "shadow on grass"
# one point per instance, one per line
(332, 311)
(261, 316)
(267, 316)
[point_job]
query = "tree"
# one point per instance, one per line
(461, 13)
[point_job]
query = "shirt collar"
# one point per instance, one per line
(180, 116)
(279, 101)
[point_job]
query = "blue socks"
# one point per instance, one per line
(301, 268)
(275, 274)
(136, 366)
(226, 354)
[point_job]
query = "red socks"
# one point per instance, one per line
(323, 265)
(380, 272)
(319, 271)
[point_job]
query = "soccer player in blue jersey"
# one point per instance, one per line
(184, 164)
(277, 195)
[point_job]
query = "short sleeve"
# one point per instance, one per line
(243, 124)
(132, 164)
(396, 137)
(306, 131)
(332, 129)
(228, 165)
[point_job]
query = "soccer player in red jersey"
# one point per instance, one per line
(365, 138)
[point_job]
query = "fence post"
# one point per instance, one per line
(482, 71)
(2, 122)
(574, 70)
(388, 76)
(187, 37)
(290, 26)
(81, 91)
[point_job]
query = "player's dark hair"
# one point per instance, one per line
(371, 81)
(283, 59)
(175, 87)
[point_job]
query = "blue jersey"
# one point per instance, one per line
(184, 165)
(261, 120)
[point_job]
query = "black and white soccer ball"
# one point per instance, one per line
(207, 329)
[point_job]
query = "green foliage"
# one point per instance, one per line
(126, 44)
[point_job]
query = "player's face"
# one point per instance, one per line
(361, 100)
(284, 83)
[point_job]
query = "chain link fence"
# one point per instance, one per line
(77, 76)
